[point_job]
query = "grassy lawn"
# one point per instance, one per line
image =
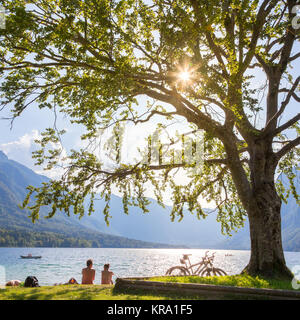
(235, 280)
(107, 292)
(83, 292)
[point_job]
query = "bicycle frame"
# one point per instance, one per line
(205, 261)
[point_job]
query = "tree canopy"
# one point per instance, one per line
(200, 60)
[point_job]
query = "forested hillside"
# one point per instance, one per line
(16, 229)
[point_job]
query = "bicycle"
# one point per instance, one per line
(205, 267)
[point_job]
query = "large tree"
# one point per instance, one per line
(200, 60)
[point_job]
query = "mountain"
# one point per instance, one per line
(204, 233)
(154, 226)
(16, 229)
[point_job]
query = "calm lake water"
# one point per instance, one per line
(60, 264)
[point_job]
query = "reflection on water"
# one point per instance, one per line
(60, 264)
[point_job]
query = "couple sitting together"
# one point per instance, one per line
(88, 274)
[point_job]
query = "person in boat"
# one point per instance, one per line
(88, 273)
(106, 275)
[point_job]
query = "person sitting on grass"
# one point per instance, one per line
(71, 281)
(88, 273)
(106, 275)
(13, 283)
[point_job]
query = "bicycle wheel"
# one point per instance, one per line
(206, 272)
(219, 272)
(177, 271)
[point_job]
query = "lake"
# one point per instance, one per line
(60, 264)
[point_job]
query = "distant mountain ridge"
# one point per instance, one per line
(204, 233)
(157, 224)
(16, 229)
(154, 226)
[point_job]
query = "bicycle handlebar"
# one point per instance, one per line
(206, 254)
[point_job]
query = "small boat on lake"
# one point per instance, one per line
(30, 256)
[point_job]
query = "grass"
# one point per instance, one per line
(84, 292)
(244, 280)
(108, 292)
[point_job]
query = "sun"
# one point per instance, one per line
(184, 76)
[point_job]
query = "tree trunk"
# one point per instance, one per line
(267, 257)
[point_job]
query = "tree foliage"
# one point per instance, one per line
(92, 60)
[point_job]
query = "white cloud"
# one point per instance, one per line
(21, 150)
(23, 142)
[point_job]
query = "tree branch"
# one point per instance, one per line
(286, 125)
(195, 116)
(257, 27)
(282, 108)
(296, 56)
(293, 94)
(200, 21)
(287, 148)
